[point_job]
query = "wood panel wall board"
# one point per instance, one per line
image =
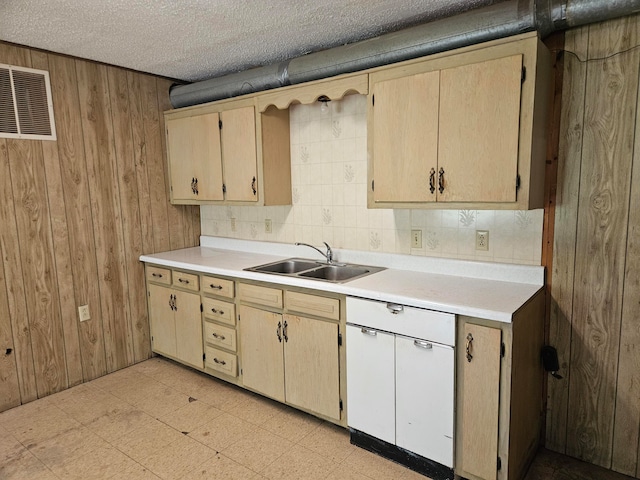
(130, 212)
(108, 237)
(62, 257)
(566, 214)
(9, 385)
(10, 249)
(37, 257)
(79, 218)
(626, 430)
(611, 93)
(155, 164)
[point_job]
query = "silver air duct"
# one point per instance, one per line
(475, 26)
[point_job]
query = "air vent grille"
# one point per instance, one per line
(26, 109)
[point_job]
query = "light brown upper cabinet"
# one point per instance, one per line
(462, 129)
(224, 152)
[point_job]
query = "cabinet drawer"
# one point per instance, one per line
(220, 311)
(158, 275)
(220, 336)
(271, 297)
(312, 305)
(186, 280)
(220, 361)
(218, 286)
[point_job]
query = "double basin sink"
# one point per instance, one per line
(313, 270)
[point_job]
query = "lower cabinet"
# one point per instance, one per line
(176, 324)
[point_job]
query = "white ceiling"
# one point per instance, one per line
(198, 39)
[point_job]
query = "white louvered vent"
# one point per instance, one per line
(26, 109)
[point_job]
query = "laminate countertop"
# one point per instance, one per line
(477, 289)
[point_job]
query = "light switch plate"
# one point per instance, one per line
(267, 226)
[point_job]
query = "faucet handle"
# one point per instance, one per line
(329, 253)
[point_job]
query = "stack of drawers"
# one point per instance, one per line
(220, 336)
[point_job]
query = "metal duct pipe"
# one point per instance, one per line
(475, 26)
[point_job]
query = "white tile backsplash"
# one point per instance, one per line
(329, 177)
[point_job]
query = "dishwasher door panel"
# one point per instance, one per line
(371, 382)
(425, 398)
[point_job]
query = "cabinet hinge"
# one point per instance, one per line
(502, 349)
(524, 74)
(341, 405)
(201, 309)
(224, 188)
(517, 182)
(204, 356)
(220, 124)
(499, 463)
(372, 185)
(373, 100)
(339, 339)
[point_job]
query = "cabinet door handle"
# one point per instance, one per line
(253, 186)
(278, 332)
(182, 280)
(219, 337)
(423, 344)
(441, 180)
(394, 308)
(158, 275)
(219, 362)
(432, 180)
(175, 303)
(368, 331)
(284, 332)
(469, 347)
(171, 301)
(215, 287)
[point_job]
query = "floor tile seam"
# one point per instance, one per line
(241, 439)
(26, 450)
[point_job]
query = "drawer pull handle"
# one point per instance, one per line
(394, 308)
(219, 312)
(215, 287)
(423, 344)
(219, 362)
(469, 347)
(182, 280)
(279, 332)
(219, 337)
(158, 275)
(368, 331)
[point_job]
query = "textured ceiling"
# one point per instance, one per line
(197, 39)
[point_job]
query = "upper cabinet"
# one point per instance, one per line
(461, 129)
(225, 152)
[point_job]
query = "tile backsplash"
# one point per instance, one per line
(329, 175)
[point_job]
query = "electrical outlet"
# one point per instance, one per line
(233, 224)
(267, 225)
(482, 240)
(416, 238)
(83, 312)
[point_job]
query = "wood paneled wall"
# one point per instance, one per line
(75, 215)
(594, 412)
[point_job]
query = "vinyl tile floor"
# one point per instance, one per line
(160, 420)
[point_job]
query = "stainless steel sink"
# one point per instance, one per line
(313, 270)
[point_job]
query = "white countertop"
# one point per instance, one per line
(478, 289)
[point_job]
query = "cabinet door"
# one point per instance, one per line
(194, 154)
(479, 130)
(262, 360)
(405, 137)
(239, 157)
(424, 398)
(161, 320)
(312, 375)
(188, 330)
(478, 391)
(371, 383)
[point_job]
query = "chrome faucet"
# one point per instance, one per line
(328, 255)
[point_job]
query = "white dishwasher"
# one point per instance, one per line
(400, 383)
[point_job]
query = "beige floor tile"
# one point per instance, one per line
(119, 422)
(100, 464)
(221, 467)
(57, 450)
(257, 450)
(292, 424)
(159, 399)
(222, 431)
(9, 446)
(41, 425)
(144, 442)
(329, 441)
(135, 471)
(299, 463)
(373, 465)
(178, 458)
(257, 410)
(342, 472)
(87, 404)
(191, 416)
(221, 395)
(121, 380)
(23, 466)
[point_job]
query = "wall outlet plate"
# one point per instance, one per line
(83, 313)
(267, 226)
(482, 240)
(416, 238)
